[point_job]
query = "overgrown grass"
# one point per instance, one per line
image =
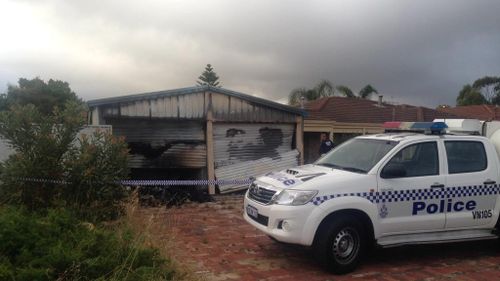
(71, 227)
(57, 246)
(154, 231)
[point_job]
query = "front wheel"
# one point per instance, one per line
(340, 244)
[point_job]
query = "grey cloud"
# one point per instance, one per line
(420, 52)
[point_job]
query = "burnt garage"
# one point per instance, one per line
(204, 133)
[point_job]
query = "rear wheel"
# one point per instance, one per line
(340, 244)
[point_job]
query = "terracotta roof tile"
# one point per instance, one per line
(482, 112)
(355, 110)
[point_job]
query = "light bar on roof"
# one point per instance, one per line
(416, 127)
(465, 126)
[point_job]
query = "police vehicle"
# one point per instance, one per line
(423, 182)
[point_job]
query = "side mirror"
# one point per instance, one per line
(393, 171)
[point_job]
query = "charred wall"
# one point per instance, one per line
(161, 143)
(239, 142)
(248, 150)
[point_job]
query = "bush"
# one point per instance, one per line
(40, 143)
(94, 167)
(46, 148)
(57, 246)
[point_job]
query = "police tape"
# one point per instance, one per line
(152, 182)
(184, 182)
(37, 180)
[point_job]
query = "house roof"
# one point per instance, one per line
(192, 90)
(356, 110)
(484, 112)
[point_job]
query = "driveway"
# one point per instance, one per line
(215, 241)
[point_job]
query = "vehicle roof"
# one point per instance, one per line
(410, 136)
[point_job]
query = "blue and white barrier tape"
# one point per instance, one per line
(43, 180)
(153, 182)
(184, 182)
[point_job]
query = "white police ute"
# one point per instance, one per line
(424, 182)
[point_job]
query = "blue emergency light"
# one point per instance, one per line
(433, 128)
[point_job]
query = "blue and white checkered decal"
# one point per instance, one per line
(416, 194)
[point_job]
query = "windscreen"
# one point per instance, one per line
(357, 155)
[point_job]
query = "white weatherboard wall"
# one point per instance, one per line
(5, 149)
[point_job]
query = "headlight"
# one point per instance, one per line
(295, 197)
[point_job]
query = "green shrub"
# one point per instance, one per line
(46, 148)
(40, 143)
(94, 167)
(57, 246)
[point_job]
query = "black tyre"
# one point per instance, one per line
(340, 244)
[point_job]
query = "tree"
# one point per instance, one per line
(40, 146)
(470, 96)
(345, 91)
(323, 89)
(496, 98)
(485, 90)
(44, 96)
(488, 86)
(364, 93)
(367, 91)
(209, 77)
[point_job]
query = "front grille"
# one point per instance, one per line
(260, 194)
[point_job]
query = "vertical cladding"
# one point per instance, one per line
(124, 110)
(220, 104)
(190, 106)
(157, 108)
(227, 108)
(172, 106)
(184, 110)
(141, 109)
(194, 106)
(238, 142)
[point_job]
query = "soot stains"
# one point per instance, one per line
(233, 132)
(243, 147)
(147, 149)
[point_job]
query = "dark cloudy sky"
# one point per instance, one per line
(420, 52)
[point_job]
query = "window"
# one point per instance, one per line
(465, 156)
(414, 161)
(357, 155)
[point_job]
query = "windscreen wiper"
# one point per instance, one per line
(330, 165)
(352, 169)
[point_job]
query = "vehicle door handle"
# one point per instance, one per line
(489, 182)
(437, 185)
